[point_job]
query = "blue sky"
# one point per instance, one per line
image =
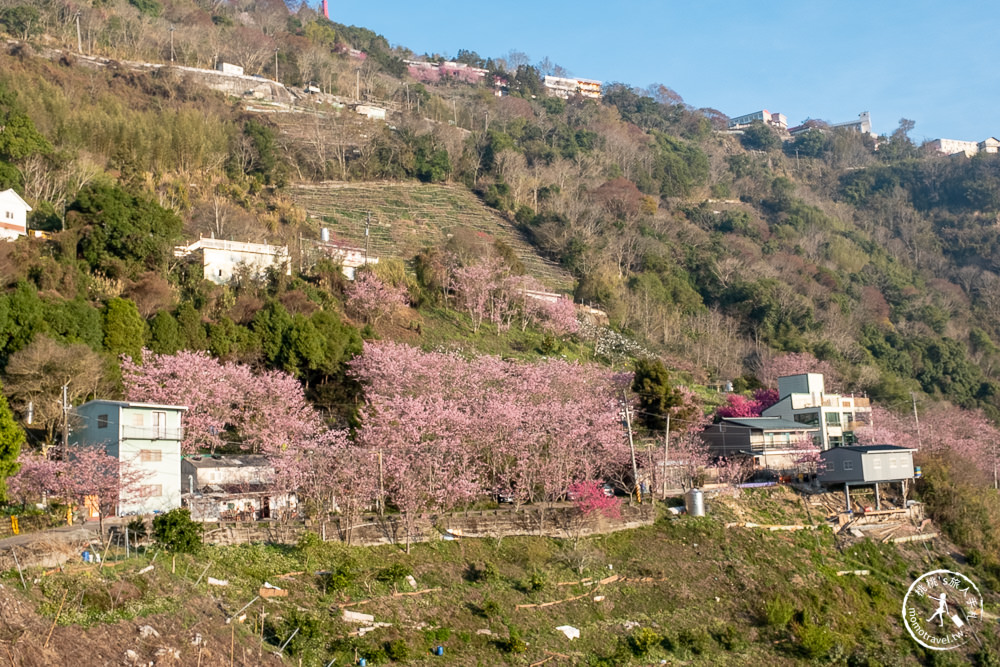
(927, 61)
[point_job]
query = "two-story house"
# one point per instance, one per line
(146, 436)
(773, 443)
(13, 215)
(804, 400)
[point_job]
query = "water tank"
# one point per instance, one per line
(324, 235)
(694, 502)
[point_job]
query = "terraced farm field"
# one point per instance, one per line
(406, 217)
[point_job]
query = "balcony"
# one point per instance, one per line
(152, 433)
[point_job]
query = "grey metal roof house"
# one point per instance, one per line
(866, 465)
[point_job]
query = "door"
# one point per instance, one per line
(159, 425)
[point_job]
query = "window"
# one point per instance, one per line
(150, 455)
(877, 462)
(848, 465)
(102, 421)
(137, 419)
(808, 418)
(833, 419)
(152, 491)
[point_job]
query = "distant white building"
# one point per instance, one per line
(370, 112)
(775, 120)
(990, 145)
(146, 436)
(13, 215)
(566, 87)
(221, 259)
(229, 68)
(350, 258)
(863, 124)
(953, 147)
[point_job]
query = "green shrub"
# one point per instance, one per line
(729, 638)
(393, 574)
(696, 641)
(778, 613)
(491, 608)
(397, 650)
(177, 532)
(814, 641)
(643, 640)
(536, 581)
(513, 643)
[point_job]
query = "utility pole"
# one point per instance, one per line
(381, 486)
(631, 445)
(79, 41)
(276, 65)
(357, 84)
(65, 411)
(916, 420)
(172, 43)
(666, 451)
(368, 222)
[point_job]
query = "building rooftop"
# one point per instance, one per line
(769, 423)
(135, 404)
(217, 461)
(869, 449)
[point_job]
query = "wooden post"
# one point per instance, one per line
(847, 495)
(666, 451)
(14, 553)
(878, 503)
(55, 620)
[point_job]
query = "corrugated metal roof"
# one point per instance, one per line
(769, 423)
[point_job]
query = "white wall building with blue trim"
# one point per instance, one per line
(144, 435)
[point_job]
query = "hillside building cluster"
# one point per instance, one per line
(862, 124)
(989, 145)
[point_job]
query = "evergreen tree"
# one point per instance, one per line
(124, 328)
(11, 439)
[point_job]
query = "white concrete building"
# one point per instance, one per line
(954, 146)
(863, 124)
(13, 215)
(146, 436)
(775, 120)
(222, 259)
(805, 401)
(566, 87)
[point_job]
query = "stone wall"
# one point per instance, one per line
(555, 520)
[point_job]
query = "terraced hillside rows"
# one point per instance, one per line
(406, 217)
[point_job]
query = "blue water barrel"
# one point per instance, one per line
(439, 650)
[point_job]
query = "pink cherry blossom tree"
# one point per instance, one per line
(738, 405)
(92, 477)
(371, 299)
(37, 477)
(559, 317)
(227, 403)
(451, 429)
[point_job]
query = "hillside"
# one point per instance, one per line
(721, 260)
(685, 591)
(408, 217)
